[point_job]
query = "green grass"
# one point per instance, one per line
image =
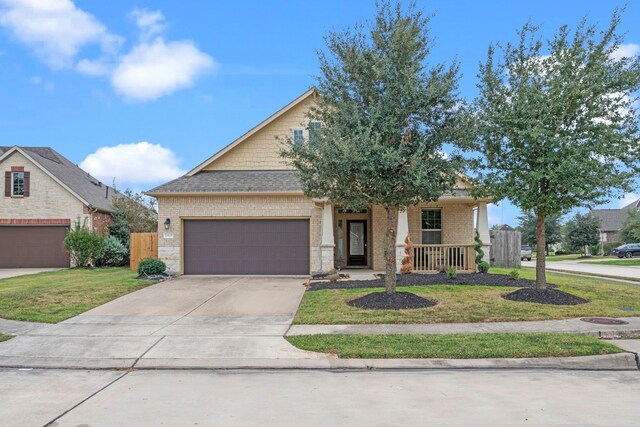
(571, 257)
(468, 304)
(5, 337)
(58, 295)
(454, 346)
(631, 262)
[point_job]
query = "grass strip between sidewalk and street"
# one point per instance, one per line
(470, 304)
(633, 262)
(454, 346)
(54, 296)
(5, 337)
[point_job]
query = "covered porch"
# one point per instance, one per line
(442, 234)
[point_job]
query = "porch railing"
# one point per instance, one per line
(433, 258)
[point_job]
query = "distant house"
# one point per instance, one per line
(611, 221)
(44, 193)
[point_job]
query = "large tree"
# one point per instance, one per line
(386, 114)
(527, 224)
(630, 231)
(581, 231)
(555, 122)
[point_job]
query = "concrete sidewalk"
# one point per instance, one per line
(599, 270)
(629, 330)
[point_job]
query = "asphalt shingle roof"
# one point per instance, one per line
(234, 182)
(613, 219)
(97, 194)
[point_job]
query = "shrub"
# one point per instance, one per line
(483, 267)
(514, 274)
(84, 246)
(478, 247)
(594, 249)
(114, 253)
(407, 261)
(151, 266)
(561, 252)
(452, 273)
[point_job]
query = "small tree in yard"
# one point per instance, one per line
(385, 116)
(133, 213)
(557, 129)
(582, 231)
(528, 224)
(630, 231)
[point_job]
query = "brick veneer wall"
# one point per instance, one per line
(177, 207)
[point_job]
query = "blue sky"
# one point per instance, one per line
(74, 75)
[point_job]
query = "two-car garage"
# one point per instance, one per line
(246, 246)
(31, 246)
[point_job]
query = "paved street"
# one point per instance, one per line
(619, 271)
(287, 398)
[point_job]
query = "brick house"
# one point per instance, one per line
(612, 220)
(242, 211)
(43, 194)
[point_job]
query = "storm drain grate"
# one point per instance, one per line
(604, 321)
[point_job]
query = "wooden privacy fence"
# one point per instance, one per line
(505, 249)
(143, 245)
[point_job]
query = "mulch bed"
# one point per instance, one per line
(544, 296)
(395, 301)
(415, 279)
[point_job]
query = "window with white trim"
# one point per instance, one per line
(431, 225)
(17, 183)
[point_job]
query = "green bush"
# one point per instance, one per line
(514, 274)
(452, 273)
(609, 246)
(150, 266)
(84, 246)
(114, 253)
(483, 267)
(561, 252)
(478, 247)
(594, 249)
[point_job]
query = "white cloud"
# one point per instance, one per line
(628, 50)
(155, 69)
(149, 22)
(97, 67)
(55, 29)
(628, 199)
(131, 164)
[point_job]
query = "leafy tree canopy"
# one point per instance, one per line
(581, 231)
(386, 114)
(630, 231)
(527, 227)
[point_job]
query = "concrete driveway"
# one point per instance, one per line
(192, 319)
(5, 273)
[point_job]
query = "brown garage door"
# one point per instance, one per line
(246, 246)
(30, 246)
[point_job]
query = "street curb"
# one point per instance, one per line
(611, 362)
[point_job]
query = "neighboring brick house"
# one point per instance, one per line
(611, 221)
(43, 195)
(243, 211)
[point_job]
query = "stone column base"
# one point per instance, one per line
(328, 263)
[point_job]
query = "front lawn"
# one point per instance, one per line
(468, 304)
(570, 257)
(454, 346)
(5, 337)
(58, 295)
(631, 262)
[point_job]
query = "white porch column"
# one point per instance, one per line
(401, 234)
(327, 245)
(482, 226)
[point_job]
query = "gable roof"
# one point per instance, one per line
(253, 131)
(86, 188)
(613, 219)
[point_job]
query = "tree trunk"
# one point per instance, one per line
(390, 273)
(541, 277)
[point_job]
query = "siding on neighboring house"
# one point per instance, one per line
(177, 207)
(47, 199)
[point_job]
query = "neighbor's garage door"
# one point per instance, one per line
(262, 246)
(31, 246)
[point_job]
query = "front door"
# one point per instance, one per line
(356, 243)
